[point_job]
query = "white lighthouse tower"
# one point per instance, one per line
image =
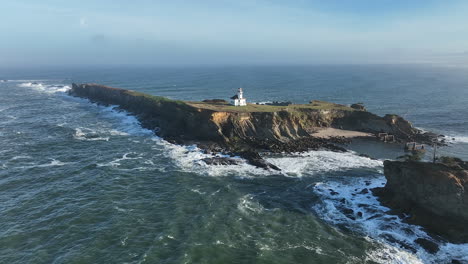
(238, 99)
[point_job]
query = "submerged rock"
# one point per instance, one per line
(428, 245)
(221, 161)
(255, 159)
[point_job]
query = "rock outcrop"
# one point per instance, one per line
(435, 195)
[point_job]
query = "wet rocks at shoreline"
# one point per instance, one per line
(432, 194)
(299, 145)
(221, 161)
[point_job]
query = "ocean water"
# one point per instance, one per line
(83, 183)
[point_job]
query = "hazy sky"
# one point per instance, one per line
(233, 32)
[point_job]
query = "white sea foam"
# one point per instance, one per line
(88, 135)
(21, 157)
(117, 162)
(52, 163)
(46, 88)
(189, 158)
(457, 139)
(247, 205)
(313, 162)
(371, 219)
(127, 124)
(451, 137)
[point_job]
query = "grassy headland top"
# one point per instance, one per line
(226, 107)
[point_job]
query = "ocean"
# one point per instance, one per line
(84, 183)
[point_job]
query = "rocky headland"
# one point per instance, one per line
(433, 195)
(216, 126)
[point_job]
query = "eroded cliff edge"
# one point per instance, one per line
(247, 129)
(433, 195)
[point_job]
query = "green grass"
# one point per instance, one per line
(249, 108)
(315, 105)
(156, 98)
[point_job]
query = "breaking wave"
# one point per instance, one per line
(351, 205)
(47, 88)
(314, 162)
(457, 139)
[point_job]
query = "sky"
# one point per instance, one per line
(225, 32)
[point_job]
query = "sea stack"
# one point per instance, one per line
(433, 194)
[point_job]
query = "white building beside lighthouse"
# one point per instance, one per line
(238, 99)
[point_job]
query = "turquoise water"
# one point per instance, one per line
(82, 183)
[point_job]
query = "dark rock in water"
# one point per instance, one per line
(456, 261)
(220, 161)
(434, 195)
(428, 245)
(393, 240)
(255, 159)
(359, 214)
(349, 213)
(364, 191)
(374, 216)
(359, 106)
(332, 192)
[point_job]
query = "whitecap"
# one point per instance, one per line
(247, 205)
(88, 135)
(52, 163)
(197, 191)
(21, 157)
(117, 162)
(41, 87)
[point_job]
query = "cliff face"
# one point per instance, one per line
(169, 118)
(435, 195)
(183, 122)
(286, 125)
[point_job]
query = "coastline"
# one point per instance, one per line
(252, 129)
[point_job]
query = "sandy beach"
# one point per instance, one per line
(334, 132)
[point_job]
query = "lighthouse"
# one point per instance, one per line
(238, 99)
